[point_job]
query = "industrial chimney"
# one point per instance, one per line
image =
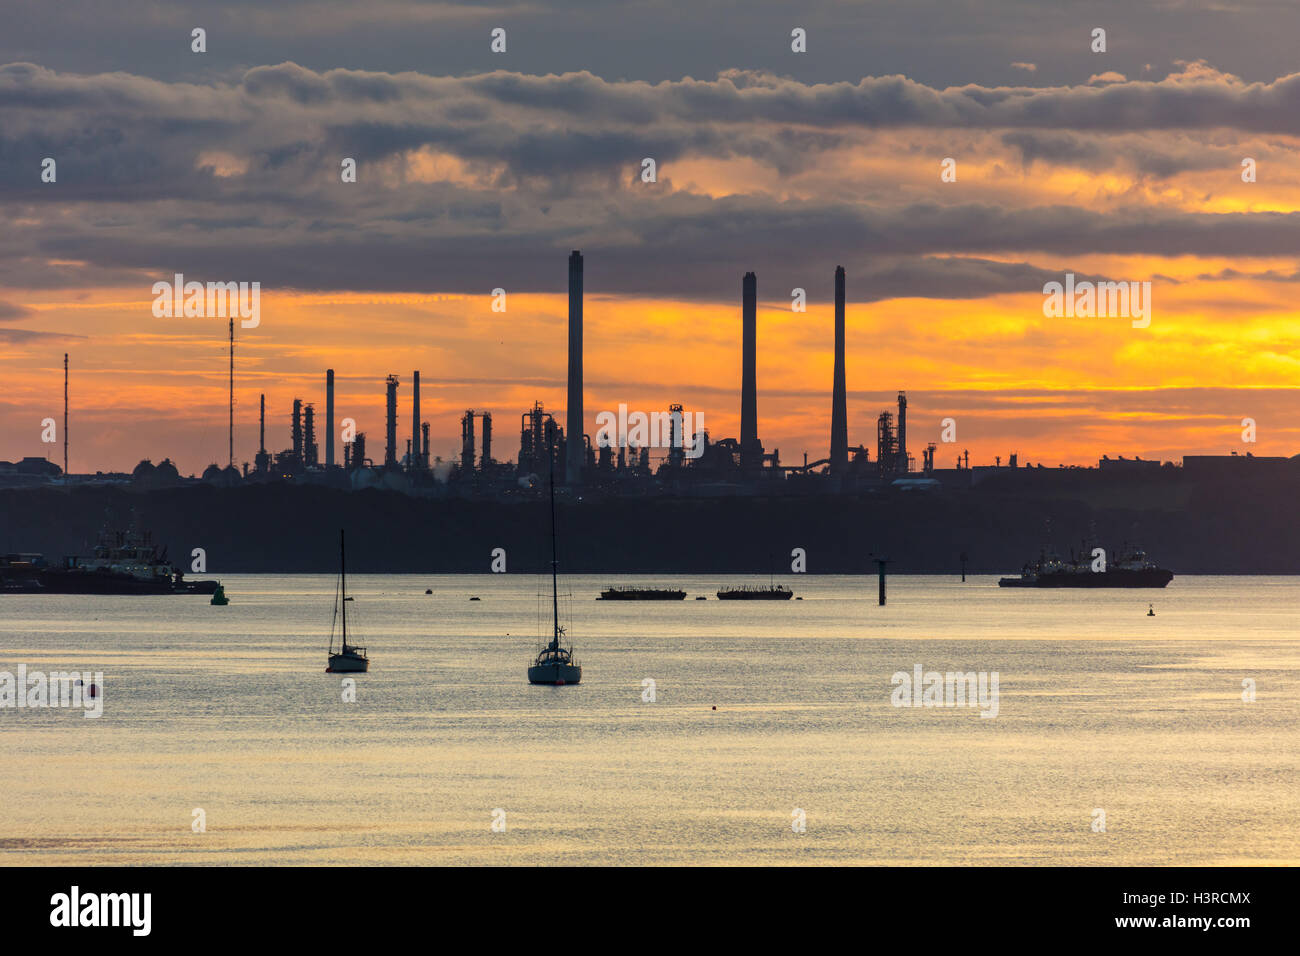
(390, 438)
(329, 418)
(574, 449)
(902, 433)
(262, 463)
(751, 451)
(415, 423)
(65, 416)
(839, 394)
(309, 446)
(467, 442)
(297, 431)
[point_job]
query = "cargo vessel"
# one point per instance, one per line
(1131, 570)
(641, 594)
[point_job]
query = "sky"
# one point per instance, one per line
(478, 170)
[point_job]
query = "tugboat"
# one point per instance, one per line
(1131, 570)
(350, 659)
(641, 594)
(123, 562)
(555, 664)
(746, 592)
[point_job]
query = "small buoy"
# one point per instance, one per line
(798, 599)
(475, 598)
(715, 706)
(428, 590)
(1151, 611)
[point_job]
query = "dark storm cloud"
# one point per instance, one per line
(694, 249)
(1136, 155)
(122, 131)
(940, 42)
(240, 179)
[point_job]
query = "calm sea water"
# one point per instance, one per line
(229, 710)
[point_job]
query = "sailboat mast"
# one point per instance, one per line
(343, 580)
(555, 591)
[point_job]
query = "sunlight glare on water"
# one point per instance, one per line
(229, 709)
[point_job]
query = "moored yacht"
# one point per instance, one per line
(350, 659)
(555, 664)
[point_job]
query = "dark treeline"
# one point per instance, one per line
(294, 529)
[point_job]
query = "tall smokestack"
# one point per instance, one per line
(390, 442)
(902, 432)
(65, 416)
(297, 431)
(329, 418)
(751, 451)
(309, 446)
(574, 448)
(486, 458)
(839, 394)
(467, 442)
(231, 462)
(261, 428)
(415, 423)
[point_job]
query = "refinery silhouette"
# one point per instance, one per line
(615, 465)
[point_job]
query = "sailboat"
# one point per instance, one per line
(555, 664)
(350, 659)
